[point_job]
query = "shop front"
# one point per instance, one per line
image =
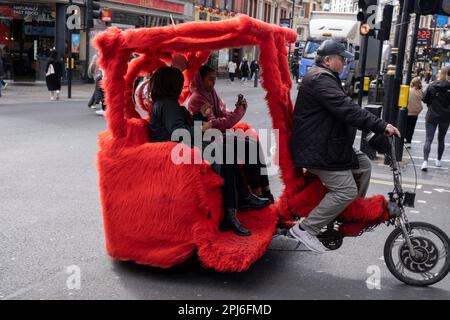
(211, 10)
(29, 30)
(27, 34)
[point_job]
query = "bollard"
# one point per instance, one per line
(255, 84)
(401, 126)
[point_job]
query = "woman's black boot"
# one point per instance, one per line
(230, 221)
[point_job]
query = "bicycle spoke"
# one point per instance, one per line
(442, 252)
(400, 267)
(427, 275)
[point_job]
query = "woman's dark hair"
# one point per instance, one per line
(166, 82)
(54, 55)
(205, 70)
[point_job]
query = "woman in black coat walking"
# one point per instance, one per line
(53, 75)
(437, 98)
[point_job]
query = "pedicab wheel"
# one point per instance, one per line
(431, 262)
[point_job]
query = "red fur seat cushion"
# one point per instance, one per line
(159, 213)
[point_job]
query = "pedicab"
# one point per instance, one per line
(159, 213)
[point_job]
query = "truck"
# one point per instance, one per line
(344, 28)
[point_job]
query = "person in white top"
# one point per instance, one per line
(232, 69)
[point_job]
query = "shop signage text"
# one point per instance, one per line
(155, 4)
(26, 10)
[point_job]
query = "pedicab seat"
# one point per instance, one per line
(159, 213)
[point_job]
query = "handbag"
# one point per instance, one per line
(50, 70)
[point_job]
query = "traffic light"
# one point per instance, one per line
(92, 12)
(386, 23)
(366, 15)
(426, 7)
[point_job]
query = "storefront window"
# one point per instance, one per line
(27, 33)
(129, 19)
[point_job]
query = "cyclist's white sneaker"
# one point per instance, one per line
(424, 166)
(438, 163)
(310, 241)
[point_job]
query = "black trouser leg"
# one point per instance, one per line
(443, 127)
(410, 127)
(430, 129)
(255, 172)
(229, 186)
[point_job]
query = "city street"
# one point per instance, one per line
(51, 222)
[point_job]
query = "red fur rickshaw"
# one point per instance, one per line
(158, 213)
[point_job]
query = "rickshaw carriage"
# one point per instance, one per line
(159, 213)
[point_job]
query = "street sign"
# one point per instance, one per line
(74, 17)
(106, 15)
(441, 21)
(424, 37)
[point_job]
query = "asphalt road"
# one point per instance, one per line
(50, 221)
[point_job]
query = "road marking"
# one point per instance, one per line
(431, 159)
(421, 201)
(428, 192)
(414, 211)
(429, 167)
(389, 183)
(441, 190)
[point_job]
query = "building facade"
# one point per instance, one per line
(29, 29)
(345, 6)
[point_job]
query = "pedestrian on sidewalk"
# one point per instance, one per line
(254, 68)
(414, 109)
(325, 121)
(232, 70)
(53, 75)
(2, 74)
(96, 73)
(245, 70)
(3, 85)
(437, 98)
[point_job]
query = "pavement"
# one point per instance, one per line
(51, 225)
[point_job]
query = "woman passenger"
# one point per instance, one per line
(167, 116)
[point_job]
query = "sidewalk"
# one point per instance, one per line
(32, 93)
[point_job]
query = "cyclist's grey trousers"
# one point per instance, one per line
(343, 187)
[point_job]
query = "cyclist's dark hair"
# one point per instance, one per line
(319, 59)
(205, 70)
(166, 82)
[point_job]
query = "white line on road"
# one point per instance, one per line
(389, 183)
(431, 159)
(441, 190)
(429, 167)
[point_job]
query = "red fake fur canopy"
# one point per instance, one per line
(158, 213)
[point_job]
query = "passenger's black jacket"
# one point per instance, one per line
(437, 97)
(325, 123)
(166, 117)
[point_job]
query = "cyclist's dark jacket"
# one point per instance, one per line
(325, 123)
(437, 97)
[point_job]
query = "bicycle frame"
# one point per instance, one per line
(397, 196)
